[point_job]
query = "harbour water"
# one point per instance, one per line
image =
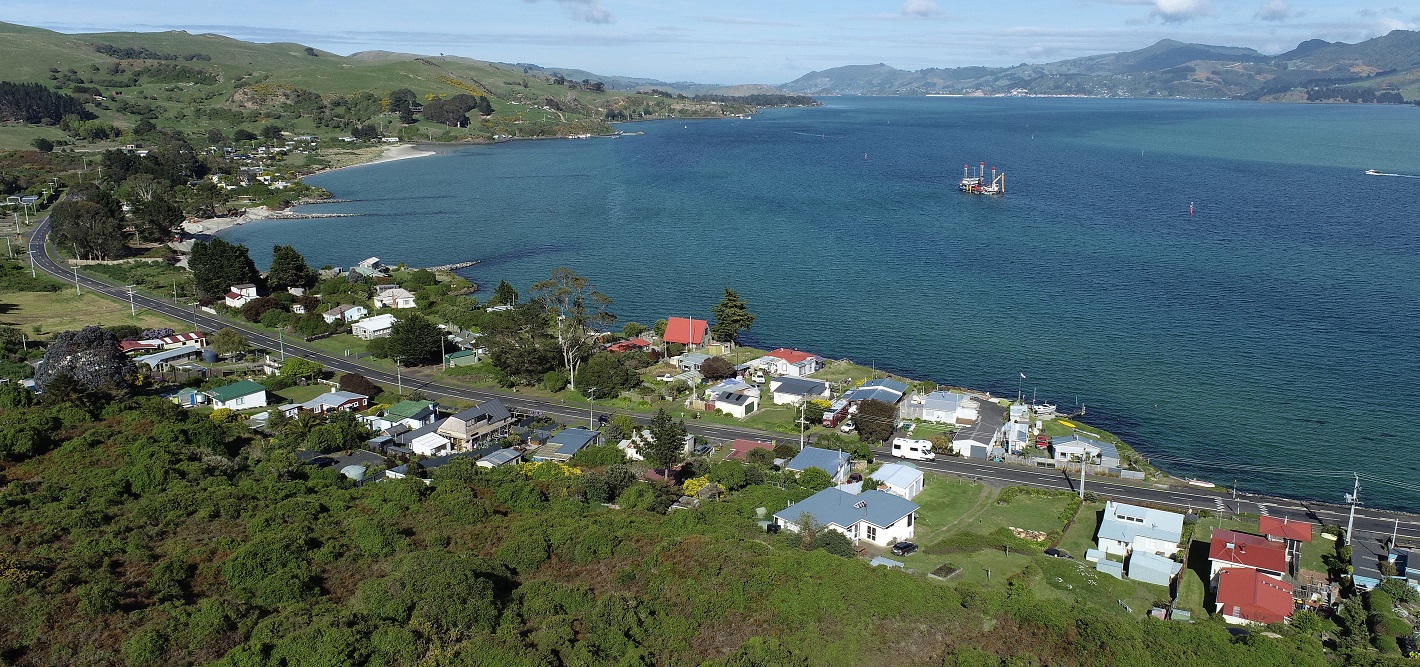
(1271, 337)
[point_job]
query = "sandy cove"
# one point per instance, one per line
(214, 225)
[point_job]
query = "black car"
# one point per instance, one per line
(1057, 553)
(903, 548)
(704, 450)
(323, 462)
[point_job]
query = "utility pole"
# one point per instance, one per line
(1082, 479)
(802, 403)
(132, 307)
(399, 380)
(442, 354)
(592, 396)
(281, 341)
(32, 264)
(76, 282)
(1354, 498)
(174, 291)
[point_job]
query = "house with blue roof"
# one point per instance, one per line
(872, 516)
(833, 462)
(1129, 528)
(565, 444)
(886, 390)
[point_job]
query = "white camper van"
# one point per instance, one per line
(917, 450)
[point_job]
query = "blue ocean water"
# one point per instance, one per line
(1270, 337)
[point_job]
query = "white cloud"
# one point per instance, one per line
(586, 11)
(1274, 10)
(920, 9)
(1179, 11)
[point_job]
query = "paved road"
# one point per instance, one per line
(1372, 522)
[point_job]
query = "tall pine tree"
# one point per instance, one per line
(218, 265)
(288, 269)
(667, 443)
(732, 316)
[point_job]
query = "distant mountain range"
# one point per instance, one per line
(1385, 68)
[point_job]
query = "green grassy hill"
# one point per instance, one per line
(193, 83)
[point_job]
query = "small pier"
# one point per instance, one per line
(453, 267)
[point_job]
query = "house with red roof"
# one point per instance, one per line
(629, 345)
(793, 363)
(1233, 550)
(687, 331)
(1246, 596)
(239, 295)
(740, 448)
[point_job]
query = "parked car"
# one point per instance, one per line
(703, 450)
(848, 426)
(323, 462)
(1057, 553)
(856, 477)
(665, 377)
(903, 548)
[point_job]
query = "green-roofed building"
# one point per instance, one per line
(462, 358)
(420, 411)
(242, 395)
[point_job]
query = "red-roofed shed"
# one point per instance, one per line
(1243, 550)
(1248, 596)
(629, 345)
(686, 331)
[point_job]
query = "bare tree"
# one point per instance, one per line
(577, 311)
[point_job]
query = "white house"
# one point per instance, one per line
(792, 390)
(345, 312)
(947, 407)
(736, 405)
(1126, 528)
(393, 296)
(412, 414)
(873, 516)
(792, 363)
(370, 328)
(1075, 447)
(899, 479)
(242, 395)
(240, 295)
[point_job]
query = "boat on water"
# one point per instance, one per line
(979, 185)
(1373, 172)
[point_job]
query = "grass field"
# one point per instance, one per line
(53, 312)
(299, 394)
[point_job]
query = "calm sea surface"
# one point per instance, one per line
(1272, 337)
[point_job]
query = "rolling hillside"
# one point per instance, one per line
(1169, 68)
(197, 82)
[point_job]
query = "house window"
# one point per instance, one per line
(909, 521)
(872, 533)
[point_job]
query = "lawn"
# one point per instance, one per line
(299, 394)
(845, 371)
(43, 314)
(944, 501)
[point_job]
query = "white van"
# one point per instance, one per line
(917, 450)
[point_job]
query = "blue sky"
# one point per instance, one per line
(742, 41)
